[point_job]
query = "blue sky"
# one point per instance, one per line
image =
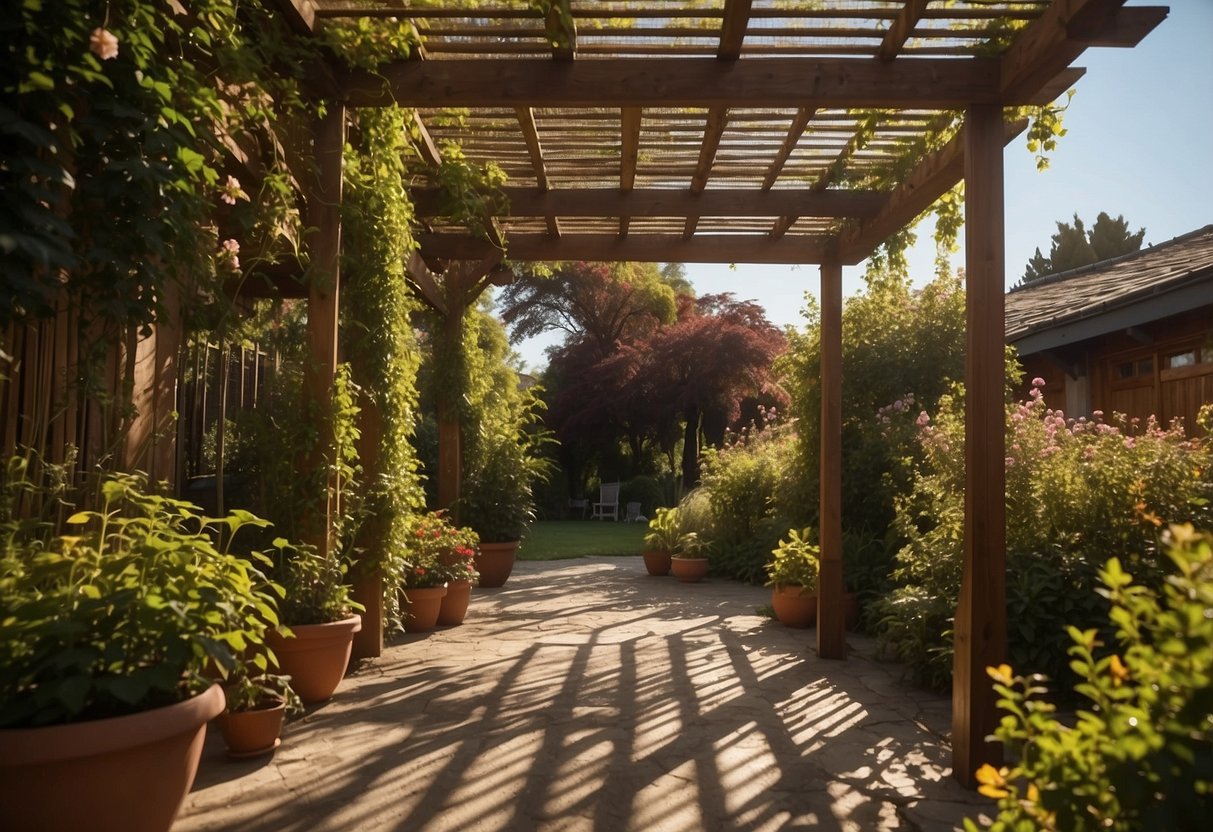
(1139, 143)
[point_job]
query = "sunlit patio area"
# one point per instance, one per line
(587, 695)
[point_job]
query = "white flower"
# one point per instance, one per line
(103, 43)
(231, 191)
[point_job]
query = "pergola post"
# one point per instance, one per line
(324, 247)
(831, 619)
(981, 614)
(449, 441)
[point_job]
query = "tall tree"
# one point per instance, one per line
(602, 302)
(718, 353)
(1074, 246)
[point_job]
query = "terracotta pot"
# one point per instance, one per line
(422, 607)
(455, 603)
(125, 773)
(689, 570)
(495, 562)
(792, 608)
(249, 733)
(316, 658)
(657, 563)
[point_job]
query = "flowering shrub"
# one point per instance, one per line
(438, 552)
(1141, 753)
(747, 484)
(1077, 489)
(899, 343)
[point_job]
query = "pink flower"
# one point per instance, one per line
(227, 255)
(231, 191)
(1038, 382)
(103, 43)
(923, 419)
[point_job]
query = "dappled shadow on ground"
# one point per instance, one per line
(586, 695)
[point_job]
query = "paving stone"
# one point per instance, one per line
(634, 703)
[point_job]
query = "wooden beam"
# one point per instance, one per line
(324, 284)
(1063, 32)
(629, 155)
(899, 32)
(426, 282)
(980, 626)
(803, 116)
(718, 119)
(665, 202)
(530, 133)
(934, 176)
(678, 82)
(645, 248)
(733, 28)
(1125, 29)
(300, 15)
(831, 598)
(827, 177)
(425, 144)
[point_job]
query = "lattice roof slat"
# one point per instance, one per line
(721, 98)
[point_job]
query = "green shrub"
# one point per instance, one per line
(902, 349)
(1140, 756)
(1076, 490)
(644, 490)
(744, 479)
(794, 561)
(119, 609)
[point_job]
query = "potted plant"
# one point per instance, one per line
(257, 703)
(498, 503)
(792, 576)
(318, 620)
(112, 616)
(426, 574)
(686, 561)
(458, 562)
(663, 538)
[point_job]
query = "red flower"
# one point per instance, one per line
(420, 570)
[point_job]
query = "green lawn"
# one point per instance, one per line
(556, 539)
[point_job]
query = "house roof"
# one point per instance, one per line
(1112, 295)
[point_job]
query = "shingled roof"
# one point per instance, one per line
(1112, 295)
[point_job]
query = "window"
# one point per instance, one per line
(1182, 359)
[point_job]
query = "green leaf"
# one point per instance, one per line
(72, 692)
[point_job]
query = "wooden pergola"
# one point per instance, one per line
(743, 131)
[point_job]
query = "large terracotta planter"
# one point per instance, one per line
(689, 570)
(792, 608)
(455, 603)
(424, 604)
(128, 773)
(249, 733)
(657, 563)
(495, 562)
(316, 658)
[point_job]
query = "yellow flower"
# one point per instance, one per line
(1033, 793)
(1001, 674)
(1120, 673)
(992, 780)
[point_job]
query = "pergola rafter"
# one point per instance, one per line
(739, 132)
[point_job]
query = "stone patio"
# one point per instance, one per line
(585, 695)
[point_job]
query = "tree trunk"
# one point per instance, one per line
(715, 423)
(690, 449)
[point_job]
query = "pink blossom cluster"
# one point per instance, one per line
(103, 43)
